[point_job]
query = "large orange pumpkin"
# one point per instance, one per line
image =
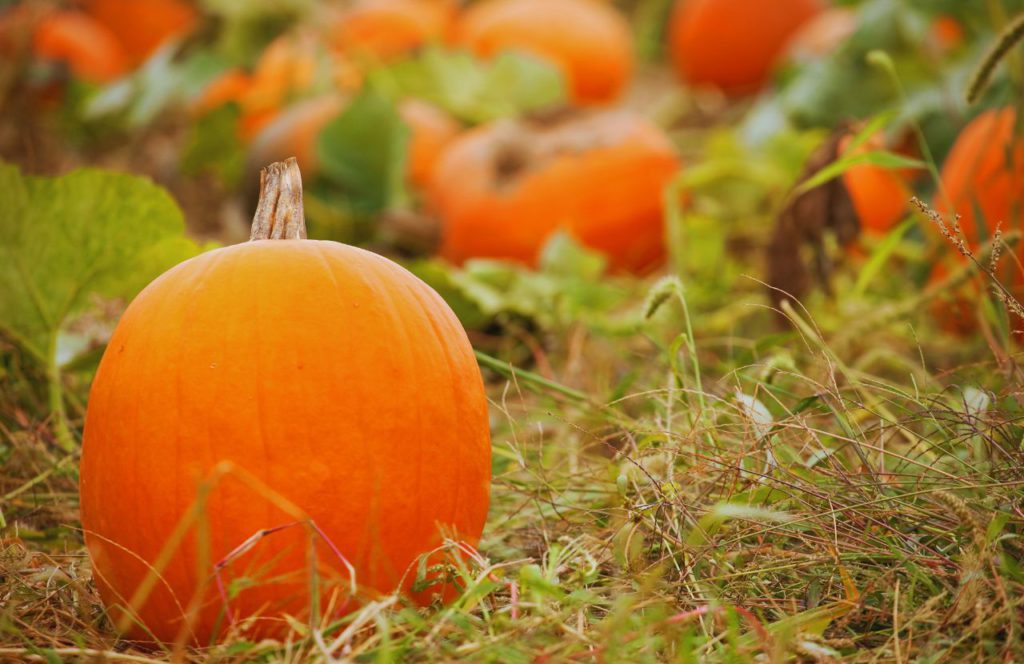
(143, 26)
(89, 49)
(734, 45)
(388, 28)
(587, 39)
(880, 195)
(342, 385)
(502, 190)
(985, 170)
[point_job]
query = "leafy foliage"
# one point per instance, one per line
(473, 90)
(363, 151)
(569, 285)
(68, 239)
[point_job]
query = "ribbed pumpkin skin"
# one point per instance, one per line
(587, 39)
(332, 375)
(734, 44)
(985, 167)
(606, 191)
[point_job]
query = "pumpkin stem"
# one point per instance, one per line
(279, 214)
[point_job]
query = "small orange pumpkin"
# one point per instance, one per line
(324, 384)
(589, 40)
(502, 190)
(385, 29)
(90, 50)
(734, 45)
(142, 27)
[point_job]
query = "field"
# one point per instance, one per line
(751, 365)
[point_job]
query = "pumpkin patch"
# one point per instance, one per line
(527, 331)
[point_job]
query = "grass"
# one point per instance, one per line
(676, 478)
(682, 493)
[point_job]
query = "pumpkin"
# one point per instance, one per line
(89, 49)
(278, 381)
(588, 40)
(431, 129)
(880, 195)
(142, 27)
(501, 190)
(985, 170)
(385, 29)
(734, 45)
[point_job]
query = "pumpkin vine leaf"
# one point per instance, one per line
(67, 240)
(363, 152)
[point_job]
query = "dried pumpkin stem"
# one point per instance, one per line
(279, 214)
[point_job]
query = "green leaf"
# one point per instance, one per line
(363, 151)
(563, 256)
(875, 158)
(64, 240)
(473, 90)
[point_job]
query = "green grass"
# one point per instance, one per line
(685, 492)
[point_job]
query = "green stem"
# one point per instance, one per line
(528, 377)
(55, 392)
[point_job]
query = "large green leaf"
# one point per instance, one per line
(363, 151)
(65, 240)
